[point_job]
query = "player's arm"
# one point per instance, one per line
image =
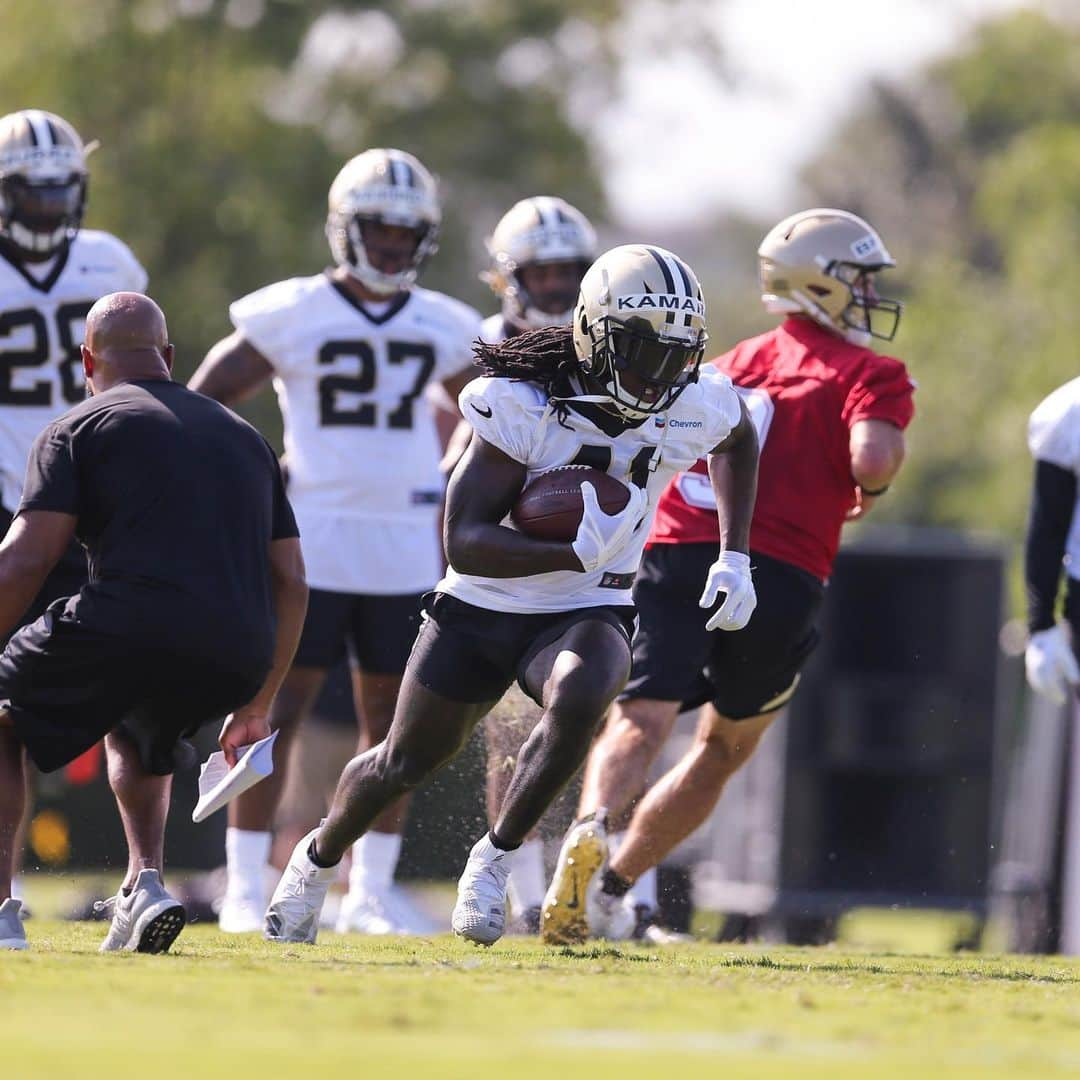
(733, 466)
(290, 592)
(233, 371)
(877, 450)
(733, 469)
(33, 546)
(483, 488)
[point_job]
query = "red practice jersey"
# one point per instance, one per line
(804, 388)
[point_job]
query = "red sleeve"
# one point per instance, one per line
(881, 390)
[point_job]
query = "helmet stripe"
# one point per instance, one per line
(397, 174)
(680, 266)
(408, 172)
(669, 281)
(543, 210)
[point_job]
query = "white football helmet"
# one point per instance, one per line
(820, 263)
(639, 327)
(391, 187)
(542, 229)
(42, 182)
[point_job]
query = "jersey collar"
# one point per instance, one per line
(46, 283)
(378, 320)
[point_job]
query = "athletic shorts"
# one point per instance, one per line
(66, 687)
(380, 630)
(744, 673)
(472, 654)
(65, 579)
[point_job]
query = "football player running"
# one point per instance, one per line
(52, 271)
(619, 390)
(830, 414)
(350, 352)
(540, 250)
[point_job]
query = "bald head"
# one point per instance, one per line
(126, 338)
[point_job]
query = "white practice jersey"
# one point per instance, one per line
(1054, 436)
(517, 418)
(42, 321)
(493, 329)
(360, 440)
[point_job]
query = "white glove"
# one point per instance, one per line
(730, 574)
(1051, 665)
(600, 536)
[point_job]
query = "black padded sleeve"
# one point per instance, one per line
(1052, 505)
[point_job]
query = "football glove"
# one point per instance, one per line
(1051, 665)
(602, 536)
(730, 574)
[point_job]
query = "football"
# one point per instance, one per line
(550, 508)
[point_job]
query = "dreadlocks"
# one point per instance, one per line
(545, 356)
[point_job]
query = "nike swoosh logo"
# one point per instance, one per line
(483, 412)
(573, 901)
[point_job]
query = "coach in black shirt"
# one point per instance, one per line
(193, 609)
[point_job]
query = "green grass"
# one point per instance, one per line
(221, 1006)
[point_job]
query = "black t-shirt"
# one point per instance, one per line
(177, 500)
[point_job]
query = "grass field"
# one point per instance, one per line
(222, 1006)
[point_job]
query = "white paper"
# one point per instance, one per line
(218, 784)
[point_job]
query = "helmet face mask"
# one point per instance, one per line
(643, 359)
(822, 263)
(383, 187)
(43, 183)
(537, 234)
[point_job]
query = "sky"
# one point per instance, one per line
(798, 67)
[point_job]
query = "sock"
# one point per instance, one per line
(501, 845)
(374, 860)
(615, 841)
(643, 891)
(528, 882)
(247, 852)
(614, 885)
(17, 888)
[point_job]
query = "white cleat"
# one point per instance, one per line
(241, 914)
(480, 911)
(382, 911)
(12, 931)
(613, 918)
(564, 918)
(147, 920)
(295, 907)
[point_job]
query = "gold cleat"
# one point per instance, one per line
(564, 919)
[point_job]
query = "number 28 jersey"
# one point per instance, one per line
(518, 418)
(360, 440)
(42, 322)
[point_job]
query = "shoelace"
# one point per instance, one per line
(108, 904)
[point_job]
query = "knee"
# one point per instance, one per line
(725, 748)
(638, 731)
(405, 769)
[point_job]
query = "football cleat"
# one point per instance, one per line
(382, 911)
(241, 914)
(295, 907)
(146, 920)
(12, 932)
(564, 918)
(480, 911)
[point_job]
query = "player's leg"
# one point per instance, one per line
(248, 838)
(383, 631)
(448, 685)
(506, 728)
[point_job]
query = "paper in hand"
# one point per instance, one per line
(218, 784)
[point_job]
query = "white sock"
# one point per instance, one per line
(643, 891)
(374, 860)
(247, 851)
(17, 892)
(528, 882)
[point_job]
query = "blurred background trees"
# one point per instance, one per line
(222, 123)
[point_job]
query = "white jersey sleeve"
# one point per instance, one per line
(457, 327)
(128, 272)
(269, 319)
(504, 413)
(1054, 428)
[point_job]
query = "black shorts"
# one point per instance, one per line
(66, 687)
(743, 673)
(473, 654)
(379, 630)
(65, 579)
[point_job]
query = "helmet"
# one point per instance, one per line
(390, 187)
(639, 327)
(818, 262)
(42, 182)
(543, 229)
